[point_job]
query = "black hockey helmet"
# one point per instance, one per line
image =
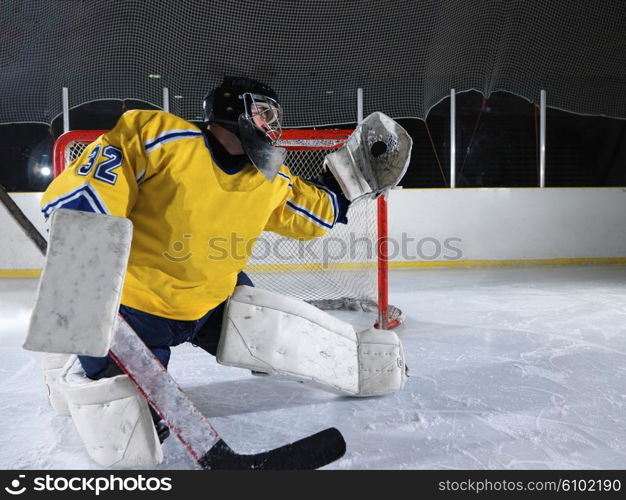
(225, 103)
(250, 110)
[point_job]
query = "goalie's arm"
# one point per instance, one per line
(307, 211)
(105, 177)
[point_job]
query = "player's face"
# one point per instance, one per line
(265, 114)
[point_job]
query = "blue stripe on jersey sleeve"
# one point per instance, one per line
(169, 136)
(83, 198)
(312, 217)
(333, 200)
(290, 185)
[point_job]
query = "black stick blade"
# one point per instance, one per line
(311, 452)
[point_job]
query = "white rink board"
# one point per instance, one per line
(16, 250)
(475, 224)
(508, 224)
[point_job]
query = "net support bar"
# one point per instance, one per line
(383, 271)
(542, 139)
(452, 138)
(382, 246)
(66, 109)
(166, 99)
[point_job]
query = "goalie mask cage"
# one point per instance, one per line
(346, 269)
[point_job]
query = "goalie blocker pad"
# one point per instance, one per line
(268, 332)
(81, 284)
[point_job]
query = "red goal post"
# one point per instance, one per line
(357, 282)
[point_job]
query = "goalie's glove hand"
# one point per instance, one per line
(327, 180)
(373, 159)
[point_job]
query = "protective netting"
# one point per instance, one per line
(339, 268)
(334, 272)
(405, 54)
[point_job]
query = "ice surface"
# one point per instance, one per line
(511, 368)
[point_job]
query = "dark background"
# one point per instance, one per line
(497, 145)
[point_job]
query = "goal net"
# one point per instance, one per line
(339, 271)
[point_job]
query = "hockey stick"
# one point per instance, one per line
(180, 414)
(192, 428)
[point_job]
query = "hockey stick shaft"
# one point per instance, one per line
(162, 392)
(27, 226)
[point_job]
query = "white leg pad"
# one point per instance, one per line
(52, 369)
(112, 419)
(381, 363)
(269, 332)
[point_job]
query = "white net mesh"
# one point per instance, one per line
(405, 54)
(334, 272)
(339, 269)
(73, 150)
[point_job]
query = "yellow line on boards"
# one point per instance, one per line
(349, 266)
(343, 266)
(20, 273)
(504, 263)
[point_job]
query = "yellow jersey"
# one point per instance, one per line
(195, 223)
